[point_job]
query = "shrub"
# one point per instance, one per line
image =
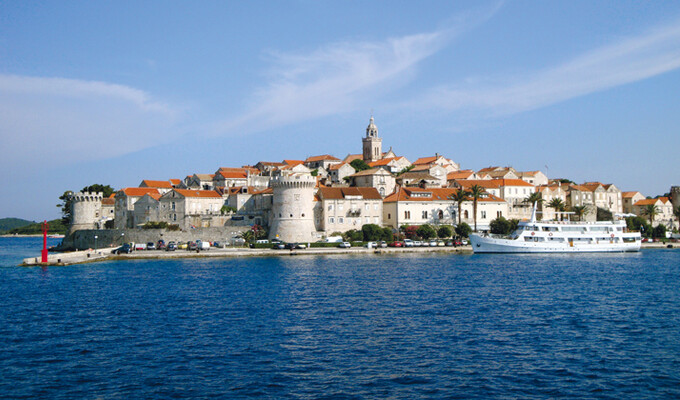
(410, 231)
(444, 231)
(155, 225)
(500, 225)
(426, 232)
(463, 229)
(108, 224)
(371, 232)
(173, 227)
(387, 234)
(659, 232)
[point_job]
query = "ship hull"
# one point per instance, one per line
(482, 244)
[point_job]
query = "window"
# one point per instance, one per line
(483, 214)
(341, 220)
(375, 220)
(174, 217)
(330, 207)
(466, 214)
(424, 214)
(331, 220)
(173, 205)
(366, 207)
(389, 216)
(440, 214)
(340, 206)
(407, 214)
(382, 194)
(499, 214)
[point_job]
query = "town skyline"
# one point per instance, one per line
(119, 94)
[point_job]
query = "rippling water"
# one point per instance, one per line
(343, 327)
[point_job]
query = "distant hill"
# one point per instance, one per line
(34, 228)
(7, 224)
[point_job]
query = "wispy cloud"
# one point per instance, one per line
(342, 76)
(55, 121)
(630, 60)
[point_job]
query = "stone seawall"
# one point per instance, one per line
(84, 239)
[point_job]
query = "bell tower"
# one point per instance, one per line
(372, 144)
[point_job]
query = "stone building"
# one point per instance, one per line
(146, 209)
(340, 209)
(378, 178)
(293, 208)
(124, 207)
(191, 208)
(338, 172)
(86, 211)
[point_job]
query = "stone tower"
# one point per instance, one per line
(293, 208)
(675, 196)
(86, 210)
(372, 143)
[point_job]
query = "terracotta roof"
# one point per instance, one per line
(646, 202)
(338, 166)
(417, 175)
(175, 181)
(138, 192)
(234, 174)
(421, 167)
(337, 193)
(155, 196)
(627, 195)
(352, 157)
(527, 173)
(321, 158)
(488, 169)
(371, 171)
(198, 193)
(205, 177)
(464, 174)
(272, 164)
(494, 183)
(425, 160)
(156, 184)
(293, 162)
(383, 162)
(433, 194)
(108, 201)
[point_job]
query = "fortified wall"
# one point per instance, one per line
(675, 196)
(86, 210)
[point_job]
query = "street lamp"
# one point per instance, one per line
(95, 243)
(122, 238)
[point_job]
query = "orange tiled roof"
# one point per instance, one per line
(109, 201)
(138, 192)
(464, 174)
(371, 171)
(175, 181)
(628, 195)
(337, 193)
(646, 202)
(383, 162)
(494, 183)
(352, 157)
(425, 160)
(293, 162)
(156, 184)
(198, 193)
(234, 174)
(321, 158)
(338, 166)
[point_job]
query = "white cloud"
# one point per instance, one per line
(628, 61)
(55, 121)
(342, 76)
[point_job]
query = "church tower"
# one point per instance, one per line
(372, 143)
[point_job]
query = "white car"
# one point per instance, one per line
(140, 246)
(382, 244)
(417, 243)
(408, 243)
(371, 245)
(345, 245)
(433, 243)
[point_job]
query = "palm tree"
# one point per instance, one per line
(535, 197)
(476, 192)
(650, 211)
(558, 205)
(459, 197)
(581, 211)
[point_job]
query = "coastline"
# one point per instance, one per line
(100, 255)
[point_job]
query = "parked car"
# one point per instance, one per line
(140, 246)
(262, 241)
(160, 245)
(171, 246)
(192, 246)
(125, 248)
(201, 245)
(464, 242)
(409, 243)
(371, 245)
(396, 244)
(449, 243)
(382, 244)
(345, 245)
(433, 243)
(151, 246)
(182, 246)
(417, 243)
(217, 244)
(278, 246)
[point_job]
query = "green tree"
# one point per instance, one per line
(650, 211)
(459, 197)
(535, 197)
(248, 236)
(659, 231)
(603, 215)
(405, 170)
(314, 172)
(558, 205)
(371, 232)
(65, 206)
(444, 231)
(426, 231)
(476, 192)
(639, 224)
(501, 226)
(105, 189)
(359, 165)
(463, 230)
(353, 235)
(581, 211)
(387, 234)
(514, 223)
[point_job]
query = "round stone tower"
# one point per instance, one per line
(293, 208)
(86, 209)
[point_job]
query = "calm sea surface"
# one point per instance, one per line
(342, 327)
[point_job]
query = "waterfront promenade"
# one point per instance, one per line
(91, 255)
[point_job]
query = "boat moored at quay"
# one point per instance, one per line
(560, 237)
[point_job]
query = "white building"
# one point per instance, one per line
(340, 209)
(378, 178)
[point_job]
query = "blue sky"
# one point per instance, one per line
(117, 92)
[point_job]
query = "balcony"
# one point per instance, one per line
(354, 213)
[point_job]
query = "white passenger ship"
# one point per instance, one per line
(560, 237)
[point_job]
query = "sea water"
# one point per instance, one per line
(303, 327)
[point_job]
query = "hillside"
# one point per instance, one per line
(55, 227)
(7, 224)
